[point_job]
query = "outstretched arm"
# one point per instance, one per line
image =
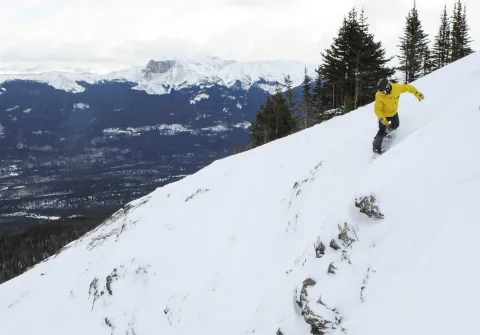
(411, 89)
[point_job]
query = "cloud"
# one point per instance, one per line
(136, 31)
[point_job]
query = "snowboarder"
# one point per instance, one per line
(385, 108)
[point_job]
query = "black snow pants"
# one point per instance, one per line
(382, 131)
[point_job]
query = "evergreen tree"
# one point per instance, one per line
(441, 47)
(333, 68)
(290, 95)
(412, 47)
(306, 103)
(284, 120)
(372, 65)
(292, 102)
(427, 61)
(261, 129)
(320, 99)
(274, 120)
(351, 66)
(466, 50)
(456, 35)
(460, 40)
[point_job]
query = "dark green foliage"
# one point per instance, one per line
(20, 251)
(460, 40)
(441, 46)
(275, 119)
(261, 129)
(412, 47)
(322, 99)
(306, 103)
(427, 61)
(290, 95)
(351, 67)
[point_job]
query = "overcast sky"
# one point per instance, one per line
(135, 31)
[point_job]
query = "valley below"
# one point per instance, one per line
(88, 185)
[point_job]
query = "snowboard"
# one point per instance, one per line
(386, 143)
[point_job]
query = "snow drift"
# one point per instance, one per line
(305, 234)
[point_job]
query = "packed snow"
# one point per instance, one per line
(11, 109)
(165, 129)
(31, 215)
(306, 228)
(8, 174)
(80, 105)
(199, 97)
(169, 129)
(244, 125)
(219, 128)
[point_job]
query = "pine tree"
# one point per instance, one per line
(466, 50)
(441, 47)
(333, 68)
(460, 40)
(292, 103)
(306, 103)
(261, 129)
(274, 120)
(412, 47)
(372, 65)
(290, 95)
(284, 120)
(427, 61)
(320, 100)
(352, 65)
(456, 34)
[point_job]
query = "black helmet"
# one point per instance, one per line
(384, 86)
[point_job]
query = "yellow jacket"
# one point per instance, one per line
(386, 105)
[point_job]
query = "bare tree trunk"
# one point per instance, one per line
(342, 95)
(357, 87)
(276, 128)
(304, 110)
(333, 96)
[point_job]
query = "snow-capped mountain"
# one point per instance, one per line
(307, 234)
(163, 76)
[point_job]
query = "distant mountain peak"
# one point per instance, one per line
(158, 66)
(161, 76)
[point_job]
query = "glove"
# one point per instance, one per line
(384, 121)
(420, 96)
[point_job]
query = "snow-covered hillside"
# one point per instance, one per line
(160, 77)
(272, 241)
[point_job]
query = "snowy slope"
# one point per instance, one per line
(227, 250)
(180, 73)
